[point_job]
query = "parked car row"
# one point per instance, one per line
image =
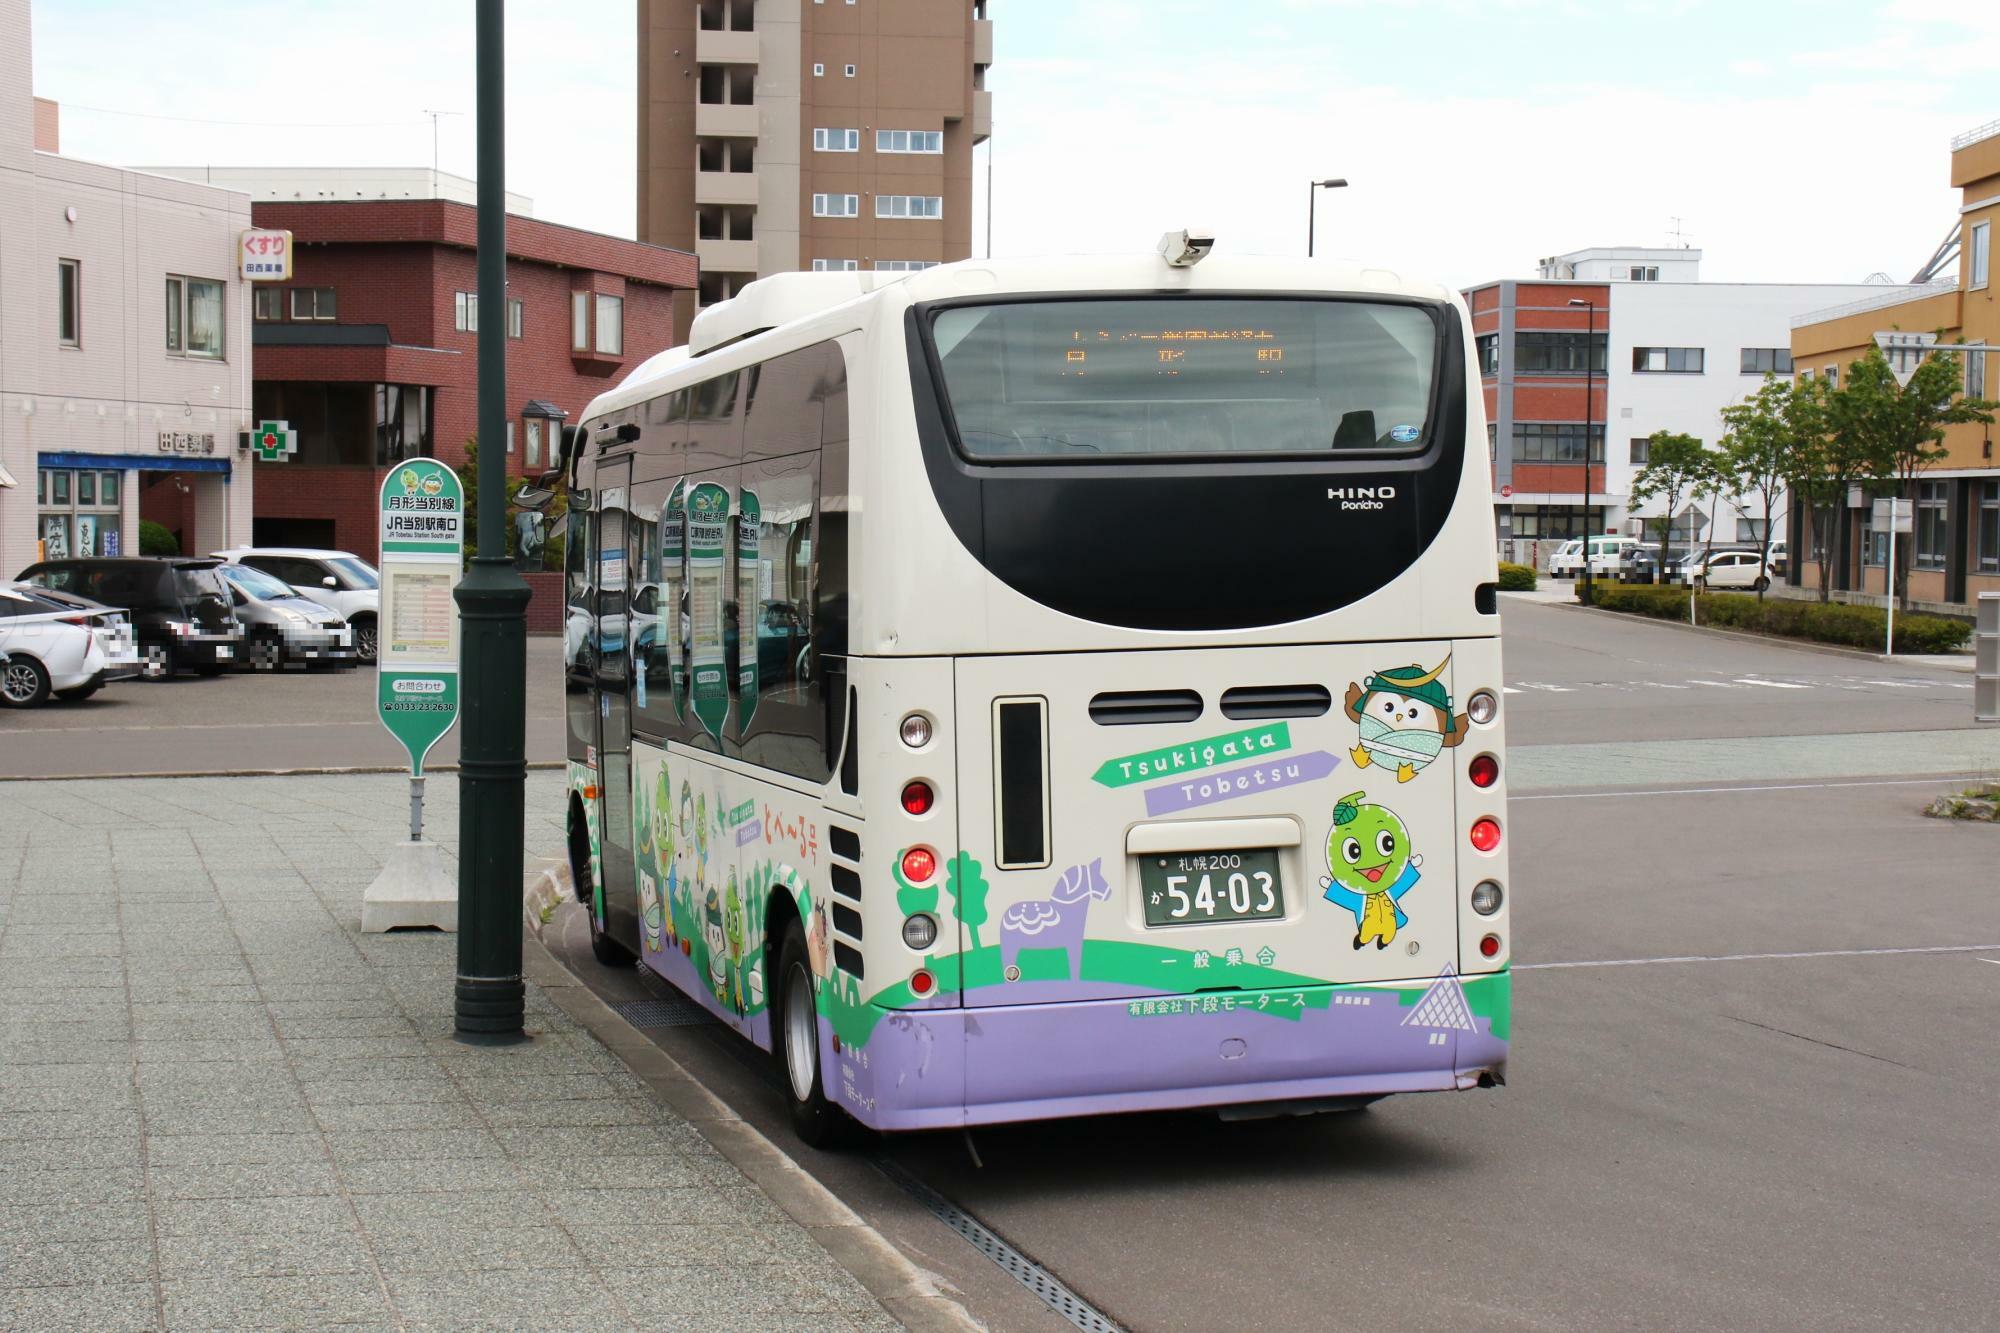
(1630, 560)
(69, 627)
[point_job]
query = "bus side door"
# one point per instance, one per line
(611, 636)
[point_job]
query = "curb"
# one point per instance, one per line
(910, 1295)
(1775, 641)
(534, 765)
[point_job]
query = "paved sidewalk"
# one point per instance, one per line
(221, 1106)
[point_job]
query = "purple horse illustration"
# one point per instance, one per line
(1054, 922)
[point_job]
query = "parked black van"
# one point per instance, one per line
(180, 607)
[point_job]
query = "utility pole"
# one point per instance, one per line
(1587, 593)
(489, 1000)
(435, 115)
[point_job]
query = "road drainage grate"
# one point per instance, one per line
(1044, 1284)
(666, 1013)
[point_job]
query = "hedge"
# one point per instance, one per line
(156, 539)
(1823, 622)
(1516, 578)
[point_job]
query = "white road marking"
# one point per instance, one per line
(1719, 684)
(1508, 689)
(1900, 684)
(1773, 684)
(1760, 957)
(1710, 791)
(1543, 685)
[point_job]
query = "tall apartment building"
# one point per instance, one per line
(777, 135)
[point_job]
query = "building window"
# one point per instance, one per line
(1556, 442)
(312, 302)
(1668, 360)
(1487, 345)
(579, 321)
(402, 423)
(836, 205)
(267, 304)
(465, 312)
(1832, 378)
(531, 431)
(836, 141)
(610, 325)
(909, 205)
(1766, 360)
(850, 71)
(69, 302)
(1548, 522)
(78, 514)
(1989, 527)
(1975, 374)
(1930, 525)
(904, 265)
(1538, 352)
(194, 318)
(515, 312)
(909, 141)
(835, 265)
(1642, 449)
(1645, 273)
(1980, 252)
(819, 71)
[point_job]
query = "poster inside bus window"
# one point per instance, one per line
(707, 542)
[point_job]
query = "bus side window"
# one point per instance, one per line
(781, 720)
(654, 626)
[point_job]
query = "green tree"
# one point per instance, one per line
(1759, 446)
(156, 539)
(553, 525)
(1901, 428)
(1826, 461)
(967, 888)
(1677, 468)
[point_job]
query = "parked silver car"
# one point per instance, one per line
(280, 626)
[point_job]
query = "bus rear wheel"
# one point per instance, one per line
(795, 1043)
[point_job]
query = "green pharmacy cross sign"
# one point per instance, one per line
(274, 441)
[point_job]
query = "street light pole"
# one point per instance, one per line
(1589, 384)
(489, 1000)
(1312, 199)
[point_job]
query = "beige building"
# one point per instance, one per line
(124, 343)
(1952, 554)
(777, 135)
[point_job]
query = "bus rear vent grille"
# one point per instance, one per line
(846, 843)
(845, 882)
(848, 958)
(846, 920)
(1121, 708)
(1255, 701)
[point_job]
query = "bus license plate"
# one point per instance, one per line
(1196, 888)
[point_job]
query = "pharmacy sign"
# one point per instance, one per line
(274, 441)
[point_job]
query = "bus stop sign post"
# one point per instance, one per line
(489, 1000)
(421, 521)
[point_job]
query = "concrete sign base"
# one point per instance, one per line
(413, 890)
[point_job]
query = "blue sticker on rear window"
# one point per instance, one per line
(1405, 434)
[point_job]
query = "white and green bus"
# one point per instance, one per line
(1036, 688)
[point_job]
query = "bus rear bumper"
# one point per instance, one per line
(945, 1068)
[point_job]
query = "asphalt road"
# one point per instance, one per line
(246, 722)
(1750, 1085)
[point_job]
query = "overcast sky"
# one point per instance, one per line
(1794, 140)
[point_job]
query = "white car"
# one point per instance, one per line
(338, 580)
(47, 648)
(1606, 556)
(1729, 569)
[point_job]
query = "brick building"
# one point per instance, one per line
(369, 352)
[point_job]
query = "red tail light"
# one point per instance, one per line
(1485, 834)
(919, 864)
(1490, 947)
(76, 620)
(1484, 770)
(922, 982)
(917, 798)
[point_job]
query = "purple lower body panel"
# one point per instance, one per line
(944, 1068)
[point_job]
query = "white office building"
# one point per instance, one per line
(1630, 341)
(124, 343)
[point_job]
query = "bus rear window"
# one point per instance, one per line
(1176, 376)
